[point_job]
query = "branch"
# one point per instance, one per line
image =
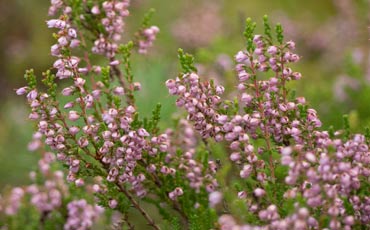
(139, 208)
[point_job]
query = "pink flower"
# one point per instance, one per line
(95, 10)
(22, 90)
(112, 203)
(214, 198)
(56, 23)
(259, 192)
(73, 115)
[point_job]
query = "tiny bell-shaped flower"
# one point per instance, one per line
(259, 192)
(112, 203)
(73, 115)
(22, 90)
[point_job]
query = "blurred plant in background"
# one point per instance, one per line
(339, 46)
(198, 26)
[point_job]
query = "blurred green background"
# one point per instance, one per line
(332, 36)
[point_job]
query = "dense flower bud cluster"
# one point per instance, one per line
(13, 203)
(50, 196)
(113, 14)
(148, 36)
(81, 215)
(325, 170)
(199, 176)
(263, 152)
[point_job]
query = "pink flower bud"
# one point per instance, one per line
(137, 86)
(130, 109)
(55, 50)
(63, 41)
(246, 98)
(56, 23)
(83, 142)
(22, 90)
(291, 45)
(235, 156)
(310, 157)
(142, 132)
(243, 76)
(68, 105)
(68, 91)
(349, 220)
(241, 87)
(80, 82)
(259, 192)
(32, 95)
(214, 198)
(258, 51)
(64, 73)
(72, 33)
(67, 10)
(115, 62)
(222, 119)
(95, 10)
(242, 195)
(272, 50)
(241, 56)
(112, 203)
(257, 38)
(119, 91)
(165, 170)
(246, 171)
(286, 151)
(73, 115)
(79, 182)
(74, 43)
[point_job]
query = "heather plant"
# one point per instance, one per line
(259, 160)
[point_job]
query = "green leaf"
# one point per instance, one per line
(249, 33)
(279, 33)
(267, 28)
(186, 61)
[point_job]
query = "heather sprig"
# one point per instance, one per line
(277, 143)
(257, 160)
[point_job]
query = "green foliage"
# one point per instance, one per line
(346, 126)
(175, 224)
(27, 218)
(152, 124)
(186, 61)
(105, 74)
(203, 217)
(126, 51)
(279, 33)
(367, 133)
(54, 220)
(49, 82)
(302, 111)
(30, 78)
(250, 26)
(147, 17)
(267, 29)
(137, 122)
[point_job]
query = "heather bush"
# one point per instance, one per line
(256, 158)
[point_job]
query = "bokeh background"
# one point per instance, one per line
(332, 36)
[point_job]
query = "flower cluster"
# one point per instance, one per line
(206, 17)
(257, 161)
(81, 215)
(113, 14)
(326, 170)
(49, 194)
(148, 36)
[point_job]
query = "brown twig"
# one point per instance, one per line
(139, 208)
